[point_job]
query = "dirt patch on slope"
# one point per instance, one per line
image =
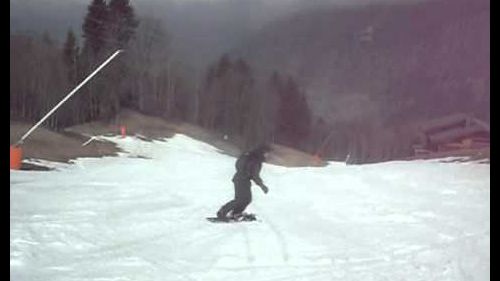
(62, 147)
(135, 124)
(280, 155)
(59, 147)
(289, 157)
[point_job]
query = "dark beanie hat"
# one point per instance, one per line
(263, 148)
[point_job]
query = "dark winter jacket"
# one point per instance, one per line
(249, 164)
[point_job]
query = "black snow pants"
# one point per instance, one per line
(242, 197)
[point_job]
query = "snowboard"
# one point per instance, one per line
(243, 218)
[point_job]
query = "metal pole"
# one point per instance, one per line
(67, 97)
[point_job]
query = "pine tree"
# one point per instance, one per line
(47, 39)
(223, 66)
(241, 108)
(70, 54)
(294, 116)
(122, 22)
(94, 27)
(271, 95)
(106, 28)
(222, 89)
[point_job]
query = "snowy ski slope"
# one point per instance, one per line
(141, 216)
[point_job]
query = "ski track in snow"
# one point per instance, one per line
(141, 216)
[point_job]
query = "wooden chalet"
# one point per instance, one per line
(452, 133)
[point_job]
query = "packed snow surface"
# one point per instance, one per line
(141, 216)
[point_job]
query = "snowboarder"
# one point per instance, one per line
(248, 167)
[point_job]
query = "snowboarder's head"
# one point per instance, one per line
(261, 151)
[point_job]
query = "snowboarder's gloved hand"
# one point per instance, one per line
(264, 188)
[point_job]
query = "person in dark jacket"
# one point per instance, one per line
(248, 167)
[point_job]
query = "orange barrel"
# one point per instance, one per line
(123, 130)
(317, 159)
(16, 157)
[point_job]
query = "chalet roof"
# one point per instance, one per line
(444, 123)
(453, 127)
(456, 134)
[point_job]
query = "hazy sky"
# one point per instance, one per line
(214, 24)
